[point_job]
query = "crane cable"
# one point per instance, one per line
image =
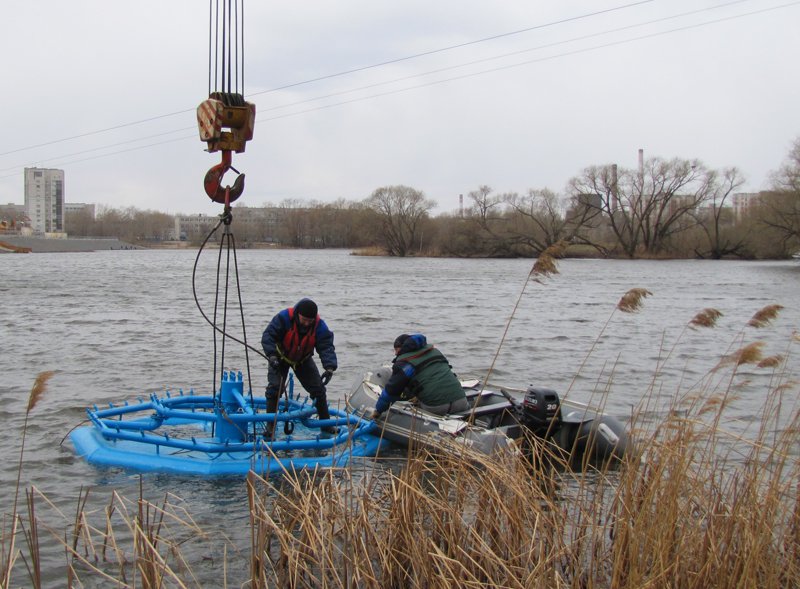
(225, 108)
(226, 46)
(228, 240)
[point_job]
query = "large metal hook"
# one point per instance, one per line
(213, 181)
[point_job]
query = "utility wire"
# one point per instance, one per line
(455, 78)
(338, 74)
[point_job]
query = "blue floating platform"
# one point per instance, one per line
(221, 435)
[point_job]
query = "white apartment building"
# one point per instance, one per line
(743, 204)
(44, 200)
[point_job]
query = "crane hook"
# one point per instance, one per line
(213, 181)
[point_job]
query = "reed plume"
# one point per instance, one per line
(545, 264)
(631, 301)
(763, 317)
(705, 318)
(38, 389)
(771, 361)
(749, 354)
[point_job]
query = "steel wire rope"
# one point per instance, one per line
(372, 96)
(199, 306)
(236, 49)
(230, 243)
(226, 34)
(229, 239)
(210, 36)
(224, 47)
(242, 46)
(327, 76)
(241, 311)
(216, 310)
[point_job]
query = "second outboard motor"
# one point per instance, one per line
(541, 411)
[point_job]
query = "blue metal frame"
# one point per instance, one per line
(215, 435)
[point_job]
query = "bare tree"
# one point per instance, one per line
(645, 207)
(401, 210)
(715, 220)
(781, 207)
(489, 223)
(79, 223)
(542, 213)
(484, 206)
(585, 223)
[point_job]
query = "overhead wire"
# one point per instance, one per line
(327, 76)
(451, 79)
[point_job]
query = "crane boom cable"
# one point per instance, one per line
(226, 47)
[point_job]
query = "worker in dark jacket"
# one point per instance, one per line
(289, 341)
(422, 371)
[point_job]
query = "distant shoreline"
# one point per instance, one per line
(41, 245)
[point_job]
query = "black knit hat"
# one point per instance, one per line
(306, 308)
(400, 340)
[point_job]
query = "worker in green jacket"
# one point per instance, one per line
(423, 372)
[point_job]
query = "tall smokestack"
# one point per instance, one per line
(461, 205)
(641, 166)
(614, 191)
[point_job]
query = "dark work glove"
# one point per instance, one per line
(326, 376)
(274, 362)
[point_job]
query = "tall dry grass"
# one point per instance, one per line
(674, 514)
(8, 538)
(697, 503)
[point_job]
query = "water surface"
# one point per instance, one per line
(120, 324)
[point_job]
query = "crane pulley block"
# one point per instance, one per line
(226, 111)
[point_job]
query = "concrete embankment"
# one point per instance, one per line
(37, 245)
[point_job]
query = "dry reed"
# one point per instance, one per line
(632, 300)
(8, 547)
(764, 317)
(545, 263)
(678, 512)
(694, 504)
(706, 318)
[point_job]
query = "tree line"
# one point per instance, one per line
(664, 208)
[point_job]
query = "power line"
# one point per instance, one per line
(344, 73)
(455, 78)
(458, 46)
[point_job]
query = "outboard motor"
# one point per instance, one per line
(541, 411)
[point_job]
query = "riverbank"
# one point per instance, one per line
(39, 245)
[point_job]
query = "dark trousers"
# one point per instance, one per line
(308, 375)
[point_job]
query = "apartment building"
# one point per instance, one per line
(44, 200)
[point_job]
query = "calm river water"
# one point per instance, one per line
(119, 324)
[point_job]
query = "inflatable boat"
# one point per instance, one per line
(498, 419)
(221, 435)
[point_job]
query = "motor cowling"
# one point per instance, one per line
(541, 411)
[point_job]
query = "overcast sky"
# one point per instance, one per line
(510, 94)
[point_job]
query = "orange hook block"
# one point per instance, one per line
(213, 182)
(226, 111)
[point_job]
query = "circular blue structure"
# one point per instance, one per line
(221, 435)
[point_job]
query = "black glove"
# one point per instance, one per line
(327, 376)
(274, 362)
